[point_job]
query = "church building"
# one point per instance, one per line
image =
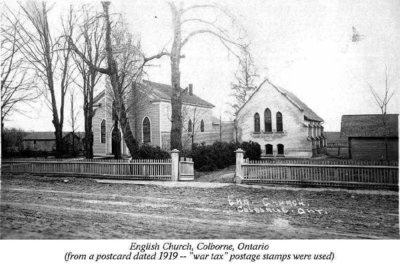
(150, 119)
(281, 123)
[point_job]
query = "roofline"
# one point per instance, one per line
(169, 101)
(306, 118)
(281, 92)
(287, 97)
(371, 115)
(251, 96)
(102, 93)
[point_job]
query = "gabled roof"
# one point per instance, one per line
(49, 135)
(162, 92)
(308, 113)
(98, 97)
(369, 126)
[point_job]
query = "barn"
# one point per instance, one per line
(369, 139)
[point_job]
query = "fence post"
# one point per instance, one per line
(239, 161)
(175, 164)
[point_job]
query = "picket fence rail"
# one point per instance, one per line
(317, 173)
(324, 162)
(134, 169)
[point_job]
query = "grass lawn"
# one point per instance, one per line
(70, 208)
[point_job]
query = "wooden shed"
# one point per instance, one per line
(369, 139)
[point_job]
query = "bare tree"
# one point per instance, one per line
(382, 102)
(244, 86)
(90, 41)
(50, 56)
(187, 23)
(17, 80)
(74, 115)
(124, 66)
(245, 81)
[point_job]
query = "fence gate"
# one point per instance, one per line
(186, 170)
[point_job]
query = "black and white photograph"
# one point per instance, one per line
(205, 120)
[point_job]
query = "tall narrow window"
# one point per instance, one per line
(267, 120)
(146, 130)
(256, 122)
(190, 126)
(281, 149)
(103, 131)
(279, 125)
(202, 126)
(268, 149)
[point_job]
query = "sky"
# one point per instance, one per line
(304, 46)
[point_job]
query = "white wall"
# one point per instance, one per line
(295, 133)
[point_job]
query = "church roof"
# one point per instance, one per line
(98, 97)
(309, 114)
(163, 92)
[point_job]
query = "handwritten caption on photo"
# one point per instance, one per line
(201, 251)
(268, 205)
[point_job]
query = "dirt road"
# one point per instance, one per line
(71, 208)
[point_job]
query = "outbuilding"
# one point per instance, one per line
(371, 137)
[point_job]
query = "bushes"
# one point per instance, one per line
(207, 157)
(152, 152)
(252, 150)
(221, 154)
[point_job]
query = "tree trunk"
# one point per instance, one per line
(120, 109)
(50, 82)
(88, 115)
(176, 99)
(59, 142)
(129, 138)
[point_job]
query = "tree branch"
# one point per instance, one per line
(88, 62)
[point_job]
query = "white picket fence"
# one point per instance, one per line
(313, 173)
(139, 169)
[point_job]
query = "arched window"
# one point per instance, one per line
(281, 150)
(146, 130)
(268, 149)
(190, 126)
(256, 122)
(267, 120)
(279, 125)
(103, 131)
(202, 126)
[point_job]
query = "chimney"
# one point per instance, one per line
(190, 89)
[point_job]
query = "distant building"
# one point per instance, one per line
(281, 123)
(151, 122)
(366, 135)
(46, 141)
